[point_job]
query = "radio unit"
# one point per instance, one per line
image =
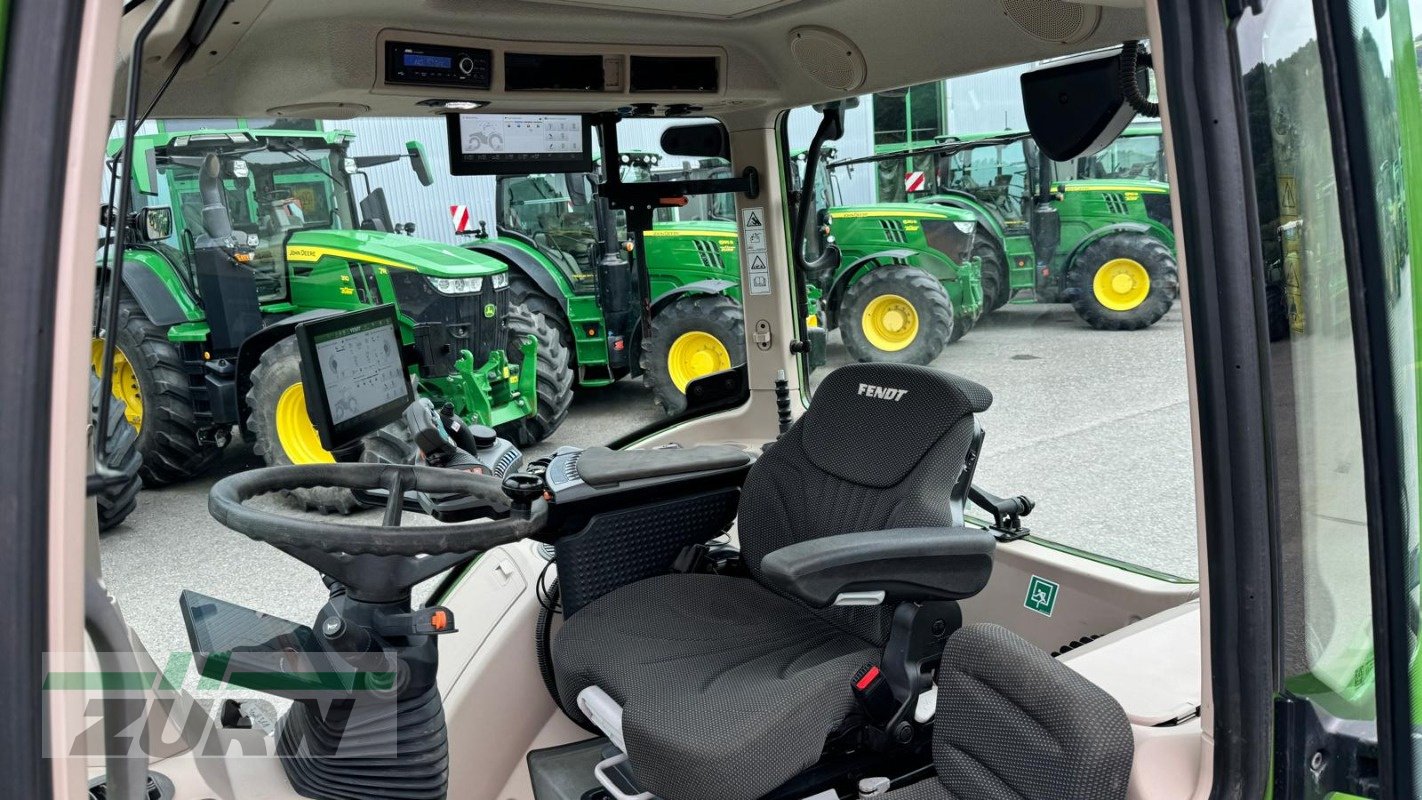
(435, 65)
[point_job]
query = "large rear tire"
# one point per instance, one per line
(693, 337)
(284, 433)
(121, 455)
(150, 380)
(1123, 282)
(555, 377)
(898, 314)
(996, 285)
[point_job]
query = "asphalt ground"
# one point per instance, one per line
(1093, 426)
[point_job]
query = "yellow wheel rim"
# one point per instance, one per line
(1121, 284)
(693, 354)
(890, 322)
(125, 382)
(294, 430)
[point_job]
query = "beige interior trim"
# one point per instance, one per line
(69, 514)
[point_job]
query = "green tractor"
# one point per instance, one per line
(904, 282)
(569, 254)
(242, 231)
(1104, 244)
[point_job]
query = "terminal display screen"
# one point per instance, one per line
(355, 364)
(494, 144)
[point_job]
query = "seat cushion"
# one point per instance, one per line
(727, 689)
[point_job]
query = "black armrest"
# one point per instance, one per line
(904, 563)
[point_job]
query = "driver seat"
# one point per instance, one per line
(729, 686)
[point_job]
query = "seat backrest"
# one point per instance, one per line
(882, 446)
(1015, 724)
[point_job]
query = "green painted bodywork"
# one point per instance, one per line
(864, 233)
(1088, 209)
(321, 267)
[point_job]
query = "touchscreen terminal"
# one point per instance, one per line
(354, 366)
(504, 144)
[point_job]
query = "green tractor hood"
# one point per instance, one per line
(392, 250)
(901, 211)
(1113, 185)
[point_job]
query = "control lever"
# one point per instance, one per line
(461, 434)
(523, 488)
(435, 444)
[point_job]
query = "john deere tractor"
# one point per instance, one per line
(1105, 245)
(569, 259)
(242, 231)
(904, 282)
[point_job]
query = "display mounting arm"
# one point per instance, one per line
(640, 201)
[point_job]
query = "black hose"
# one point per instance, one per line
(543, 643)
(1130, 85)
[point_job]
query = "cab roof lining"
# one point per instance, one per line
(270, 53)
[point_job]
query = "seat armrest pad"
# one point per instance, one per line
(905, 563)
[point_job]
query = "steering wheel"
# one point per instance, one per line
(380, 563)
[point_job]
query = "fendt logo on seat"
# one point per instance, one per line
(882, 392)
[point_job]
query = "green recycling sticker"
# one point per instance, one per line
(1041, 596)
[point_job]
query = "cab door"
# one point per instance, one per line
(1335, 136)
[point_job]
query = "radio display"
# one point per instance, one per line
(435, 62)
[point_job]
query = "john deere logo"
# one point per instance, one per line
(489, 310)
(1041, 596)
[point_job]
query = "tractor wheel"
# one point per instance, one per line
(120, 454)
(1123, 282)
(150, 381)
(896, 313)
(524, 292)
(692, 337)
(962, 323)
(555, 377)
(284, 434)
(996, 285)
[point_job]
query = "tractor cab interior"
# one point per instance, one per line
(801, 587)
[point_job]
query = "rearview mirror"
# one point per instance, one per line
(418, 164)
(375, 212)
(702, 140)
(155, 223)
(1076, 107)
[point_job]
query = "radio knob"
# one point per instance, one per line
(466, 65)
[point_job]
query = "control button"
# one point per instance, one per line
(466, 65)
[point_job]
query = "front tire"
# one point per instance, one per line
(121, 455)
(149, 379)
(898, 314)
(693, 337)
(554, 383)
(1123, 282)
(996, 286)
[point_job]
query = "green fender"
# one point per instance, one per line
(966, 202)
(527, 260)
(927, 260)
(160, 290)
(1150, 229)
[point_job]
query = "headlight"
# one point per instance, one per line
(952, 238)
(457, 285)
(501, 280)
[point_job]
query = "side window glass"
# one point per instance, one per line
(1325, 586)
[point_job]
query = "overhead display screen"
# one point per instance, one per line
(501, 144)
(354, 362)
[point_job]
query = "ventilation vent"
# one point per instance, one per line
(505, 462)
(710, 254)
(893, 230)
(1115, 203)
(828, 57)
(1053, 20)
